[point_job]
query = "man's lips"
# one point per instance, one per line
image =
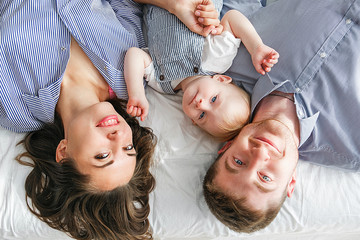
(108, 121)
(267, 141)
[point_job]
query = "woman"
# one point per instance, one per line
(101, 165)
(90, 175)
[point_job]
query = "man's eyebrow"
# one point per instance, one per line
(230, 169)
(262, 188)
(105, 165)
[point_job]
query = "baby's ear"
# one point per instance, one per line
(222, 78)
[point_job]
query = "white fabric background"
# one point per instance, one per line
(325, 204)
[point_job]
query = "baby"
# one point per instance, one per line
(178, 59)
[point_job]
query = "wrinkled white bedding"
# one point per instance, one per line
(325, 204)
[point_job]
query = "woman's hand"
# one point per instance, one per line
(185, 11)
(200, 16)
(209, 17)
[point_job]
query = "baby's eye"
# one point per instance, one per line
(214, 99)
(266, 178)
(238, 161)
(202, 115)
(129, 147)
(102, 156)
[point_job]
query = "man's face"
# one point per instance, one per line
(259, 164)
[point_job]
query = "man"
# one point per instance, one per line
(305, 108)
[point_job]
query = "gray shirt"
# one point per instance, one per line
(319, 47)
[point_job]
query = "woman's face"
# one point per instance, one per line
(100, 142)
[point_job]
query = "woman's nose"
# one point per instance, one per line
(113, 135)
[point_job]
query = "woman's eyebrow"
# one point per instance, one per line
(105, 165)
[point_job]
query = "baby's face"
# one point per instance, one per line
(208, 100)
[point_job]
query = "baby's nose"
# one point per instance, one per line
(198, 103)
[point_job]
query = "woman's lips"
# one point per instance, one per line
(108, 121)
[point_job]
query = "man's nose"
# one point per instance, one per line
(260, 155)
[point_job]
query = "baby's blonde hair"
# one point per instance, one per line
(232, 122)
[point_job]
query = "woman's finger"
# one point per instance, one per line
(209, 21)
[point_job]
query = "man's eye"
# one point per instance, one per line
(202, 115)
(102, 156)
(238, 161)
(214, 99)
(266, 178)
(129, 147)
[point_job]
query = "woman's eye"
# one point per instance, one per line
(102, 156)
(129, 147)
(214, 99)
(202, 115)
(266, 178)
(238, 161)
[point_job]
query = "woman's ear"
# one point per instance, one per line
(61, 150)
(222, 78)
(291, 185)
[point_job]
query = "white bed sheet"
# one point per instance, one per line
(325, 204)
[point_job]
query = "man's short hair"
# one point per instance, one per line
(235, 213)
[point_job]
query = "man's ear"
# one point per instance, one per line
(225, 147)
(61, 150)
(222, 78)
(291, 185)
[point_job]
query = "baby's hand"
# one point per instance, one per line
(138, 107)
(208, 16)
(264, 58)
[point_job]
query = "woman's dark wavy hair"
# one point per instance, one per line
(62, 197)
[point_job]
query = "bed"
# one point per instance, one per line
(325, 204)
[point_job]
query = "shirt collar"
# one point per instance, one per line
(265, 85)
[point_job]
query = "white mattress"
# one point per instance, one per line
(325, 204)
